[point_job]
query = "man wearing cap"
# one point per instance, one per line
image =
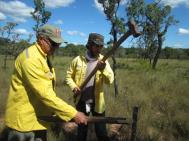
(31, 92)
(91, 98)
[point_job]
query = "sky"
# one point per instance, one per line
(78, 18)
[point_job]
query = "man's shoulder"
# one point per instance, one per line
(79, 58)
(30, 55)
(33, 50)
(25, 54)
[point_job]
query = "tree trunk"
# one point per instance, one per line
(155, 60)
(114, 60)
(115, 79)
(5, 61)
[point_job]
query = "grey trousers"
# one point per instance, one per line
(14, 135)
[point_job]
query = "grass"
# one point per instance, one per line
(162, 96)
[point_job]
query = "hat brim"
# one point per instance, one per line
(56, 40)
(98, 43)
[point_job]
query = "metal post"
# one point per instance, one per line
(134, 123)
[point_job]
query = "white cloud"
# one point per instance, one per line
(16, 10)
(175, 3)
(100, 7)
(75, 32)
(21, 31)
(183, 31)
(123, 2)
(177, 45)
(82, 34)
(19, 20)
(58, 3)
(86, 39)
(2, 16)
(58, 22)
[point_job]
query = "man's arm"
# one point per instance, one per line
(107, 73)
(41, 86)
(70, 74)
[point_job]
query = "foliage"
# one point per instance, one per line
(40, 15)
(11, 44)
(71, 50)
(118, 27)
(154, 19)
(11, 37)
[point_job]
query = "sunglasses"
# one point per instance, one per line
(53, 44)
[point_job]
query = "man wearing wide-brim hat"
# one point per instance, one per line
(91, 98)
(32, 92)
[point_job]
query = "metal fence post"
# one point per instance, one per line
(134, 123)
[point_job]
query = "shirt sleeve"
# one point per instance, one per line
(41, 85)
(108, 74)
(70, 74)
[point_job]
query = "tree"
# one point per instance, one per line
(8, 34)
(110, 9)
(11, 44)
(21, 45)
(40, 14)
(160, 20)
(167, 52)
(156, 19)
(118, 28)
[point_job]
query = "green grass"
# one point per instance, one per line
(162, 95)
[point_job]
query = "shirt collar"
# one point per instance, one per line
(40, 50)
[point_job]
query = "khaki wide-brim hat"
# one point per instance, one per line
(51, 32)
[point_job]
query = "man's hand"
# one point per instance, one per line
(101, 65)
(80, 118)
(76, 91)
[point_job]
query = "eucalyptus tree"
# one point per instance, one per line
(159, 20)
(20, 45)
(12, 42)
(155, 19)
(7, 32)
(111, 8)
(118, 28)
(40, 14)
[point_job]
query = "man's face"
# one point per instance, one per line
(50, 46)
(95, 50)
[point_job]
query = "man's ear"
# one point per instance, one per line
(40, 39)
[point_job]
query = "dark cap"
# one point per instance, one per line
(95, 38)
(51, 32)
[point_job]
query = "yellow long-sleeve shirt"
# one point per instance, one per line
(31, 93)
(76, 75)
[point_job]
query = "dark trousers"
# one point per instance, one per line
(100, 128)
(14, 135)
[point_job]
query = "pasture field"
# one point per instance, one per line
(162, 96)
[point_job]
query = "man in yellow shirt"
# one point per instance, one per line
(91, 98)
(32, 92)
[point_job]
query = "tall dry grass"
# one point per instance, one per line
(162, 96)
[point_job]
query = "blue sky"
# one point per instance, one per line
(77, 18)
